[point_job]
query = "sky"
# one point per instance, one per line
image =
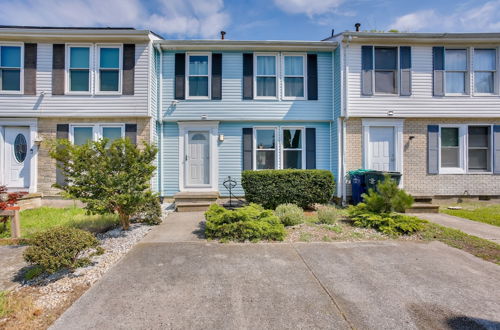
(258, 19)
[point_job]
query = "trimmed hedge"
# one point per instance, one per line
(304, 188)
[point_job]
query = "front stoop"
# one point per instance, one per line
(195, 201)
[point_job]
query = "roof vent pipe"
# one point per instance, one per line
(357, 26)
(333, 32)
(222, 34)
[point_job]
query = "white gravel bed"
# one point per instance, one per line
(54, 288)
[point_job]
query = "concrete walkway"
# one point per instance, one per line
(173, 279)
(11, 261)
(470, 227)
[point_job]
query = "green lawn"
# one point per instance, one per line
(489, 214)
(43, 218)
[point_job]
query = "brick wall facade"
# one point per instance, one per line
(47, 132)
(415, 177)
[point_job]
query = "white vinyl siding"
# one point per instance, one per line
(422, 103)
(45, 105)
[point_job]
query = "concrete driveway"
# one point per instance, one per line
(368, 285)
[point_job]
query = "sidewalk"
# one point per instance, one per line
(470, 227)
(178, 227)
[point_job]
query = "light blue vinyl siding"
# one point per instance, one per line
(230, 152)
(233, 108)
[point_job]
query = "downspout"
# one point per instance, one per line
(159, 121)
(345, 103)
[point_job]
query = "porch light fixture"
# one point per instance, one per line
(204, 117)
(390, 113)
(38, 140)
(174, 102)
(221, 137)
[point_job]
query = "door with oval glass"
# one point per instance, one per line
(198, 158)
(17, 157)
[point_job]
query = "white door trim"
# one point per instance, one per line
(398, 125)
(32, 123)
(213, 128)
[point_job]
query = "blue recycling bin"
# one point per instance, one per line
(358, 187)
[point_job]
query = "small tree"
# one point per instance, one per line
(108, 178)
(388, 198)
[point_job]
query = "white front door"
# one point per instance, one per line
(198, 158)
(17, 157)
(381, 149)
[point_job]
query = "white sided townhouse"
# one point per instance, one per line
(71, 83)
(423, 104)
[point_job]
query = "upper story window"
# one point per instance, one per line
(198, 77)
(110, 67)
(10, 68)
(293, 154)
(79, 69)
(266, 74)
(386, 69)
(456, 67)
(294, 76)
(485, 67)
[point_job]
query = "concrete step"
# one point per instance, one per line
(423, 208)
(423, 199)
(196, 195)
(193, 206)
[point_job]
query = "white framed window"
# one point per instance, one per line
(266, 76)
(198, 75)
(79, 68)
(294, 76)
(386, 62)
(465, 149)
(485, 67)
(11, 68)
(82, 133)
(265, 148)
(456, 65)
(293, 152)
(479, 145)
(109, 69)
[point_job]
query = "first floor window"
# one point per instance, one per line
(109, 69)
(265, 153)
(450, 147)
(292, 148)
(198, 76)
(83, 134)
(294, 76)
(479, 155)
(10, 68)
(266, 76)
(112, 132)
(79, 69)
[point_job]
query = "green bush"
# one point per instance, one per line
(60, 247)
(393, 224)
(150, 211)
(304, 188)
(290, 214)
(327, 215)
(388, 198)
(251, 223)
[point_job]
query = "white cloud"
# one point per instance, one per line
(174, 18)
(483, 18)
(308, 7)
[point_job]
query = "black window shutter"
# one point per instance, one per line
(367, 70)
(247, 148)
(310, 148)
(30, 68)
(128, 84)
(496, 149)
(58, 68)
(433, 149)
(405, 66)
(438, 70)
(180, 76)
(216, 76)
(248, 76)
(131, 132)
(62, 132)
(312, 76)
